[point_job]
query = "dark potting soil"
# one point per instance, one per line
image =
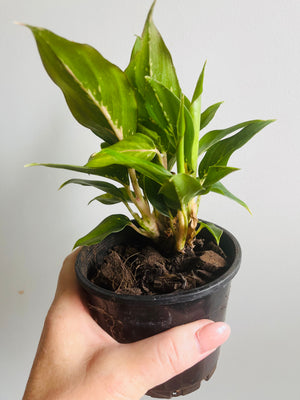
(143, 270)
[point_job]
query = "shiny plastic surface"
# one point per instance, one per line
(130, 318)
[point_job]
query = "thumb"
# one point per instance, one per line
(159, 358)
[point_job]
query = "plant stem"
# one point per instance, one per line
(134, 214)
(162, 159)
(193, 207)
(148, 221)
(180, 135)
(180, 156)
(139, 200)
(196, 115)
(141, 231)
(182, 229)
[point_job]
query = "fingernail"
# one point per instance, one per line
(212, 336)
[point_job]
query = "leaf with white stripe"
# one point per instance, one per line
(136, 146)
(97, 91)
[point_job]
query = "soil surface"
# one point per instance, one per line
(143, 270)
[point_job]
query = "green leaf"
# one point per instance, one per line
(220, 152)
(111, 224)
(199, 87)
(209, 114)
(219, 188)
(181, 120)
(213, 229)
(154, 59)
(195, 110)
(130, 70)
(170, 107)
(212, 137)
(107, 199)
(130, 73)
(153, 171)
(180, 189)
(105, 186)
(159, 139)
(136, 146)
(97, 91)
(166, 104)
(180, 137)
(150, 57)
(116, 172)
(152, 188)
(103, 145)
(216, 173)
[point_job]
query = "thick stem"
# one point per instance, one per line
(196, 115)
(164, 160)
(134, 214)
(147, 221)
(141, 231)
(180, 136)
(139, 199)
(193, 218)
(180, 156)
(182, 227)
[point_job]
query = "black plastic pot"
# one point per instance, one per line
(130, 318)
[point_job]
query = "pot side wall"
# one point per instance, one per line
(131, 318)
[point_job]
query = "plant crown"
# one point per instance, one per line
(148, 128)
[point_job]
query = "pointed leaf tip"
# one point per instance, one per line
(19, 23)
(208, 114)
(199, 86)
(219, 188)
(150, 13)
(30, 165)
(213, 229)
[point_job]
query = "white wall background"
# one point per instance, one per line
(252, 48)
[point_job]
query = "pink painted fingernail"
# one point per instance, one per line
(212, 336)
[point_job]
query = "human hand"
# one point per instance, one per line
(76, 359)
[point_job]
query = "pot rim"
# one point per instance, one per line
(175, 297)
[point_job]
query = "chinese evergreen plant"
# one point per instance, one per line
(150, 131)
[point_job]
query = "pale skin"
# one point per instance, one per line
(76, 359)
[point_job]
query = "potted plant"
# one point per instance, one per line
(162, 266)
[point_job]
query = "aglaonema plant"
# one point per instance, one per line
(150, 131)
